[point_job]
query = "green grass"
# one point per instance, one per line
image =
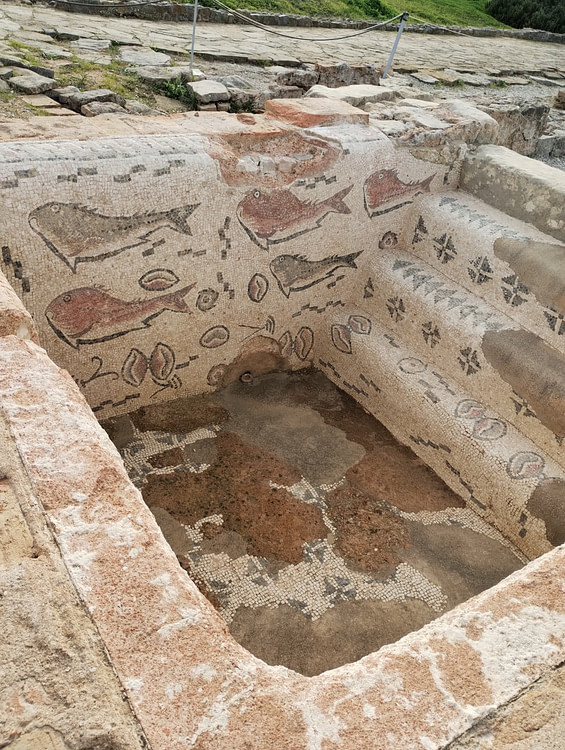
(442, 12)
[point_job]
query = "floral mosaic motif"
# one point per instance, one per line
(207, 299)
(158, 280)
(78, 234)
(273, 217)
(431, 334)
(480, 270)
(521, 406)
(214, 337)
(385, 187)
(555, 320)
(89, 315)
(294, 273)
(15, 269)
(269, 327)
(420, 231)
(396, 309)
(525, 465)
(161, 365)
(368, 289)
(444, 248)
(341, 334)
(388, 240)
(514, 292)
(258, 287)
(469, 361)
(444, 292)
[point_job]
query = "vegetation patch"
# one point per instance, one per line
(548, 15)
(446, 12)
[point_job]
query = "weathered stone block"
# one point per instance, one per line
(32, 84)
(356, 94)
(101, 108)
(78, 100)
(209, 91)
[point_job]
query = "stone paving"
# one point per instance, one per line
(242, 43)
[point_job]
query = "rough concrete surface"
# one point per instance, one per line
(534, 721)
(522, 187)
(57, 688)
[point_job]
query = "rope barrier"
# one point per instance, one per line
(247, 19)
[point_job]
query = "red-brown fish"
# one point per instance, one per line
(385, 186)
(89, 314)
(276, 216)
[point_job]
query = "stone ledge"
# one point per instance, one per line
(522, 187)
(308, 113)
(487, 651)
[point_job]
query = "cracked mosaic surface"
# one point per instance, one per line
(258, 534)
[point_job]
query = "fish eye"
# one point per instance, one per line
(67, 298)
(381, 175)
(256, 193)
(55, 208)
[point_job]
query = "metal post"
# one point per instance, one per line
(194, 17)
(395, 45)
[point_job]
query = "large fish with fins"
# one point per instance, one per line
(89, 315)
(277, 216)
(295, 273)
(385, 187)
(76, 233)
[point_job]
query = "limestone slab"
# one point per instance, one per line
(356, 94)
(32, 84)
(309, 112)
(143, 56)
(207, 91)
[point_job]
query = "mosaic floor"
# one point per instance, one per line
(315, 534)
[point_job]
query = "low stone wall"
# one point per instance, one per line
(182, 13)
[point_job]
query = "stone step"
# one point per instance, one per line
(510, 264)
(502, 475)
(483, 350)
(522, 187)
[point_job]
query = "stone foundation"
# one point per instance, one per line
(175, 259)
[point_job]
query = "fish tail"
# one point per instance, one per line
(350, 259)
(425, 186)
(179, 216)
(175, 301)
(335, 203)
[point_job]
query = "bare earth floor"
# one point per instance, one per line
(315, 533)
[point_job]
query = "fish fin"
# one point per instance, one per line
(425, 186)
(175, 301)
(335, 203)
(179, 216)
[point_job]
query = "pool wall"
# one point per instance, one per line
(167, 262)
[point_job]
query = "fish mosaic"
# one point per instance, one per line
(78, 234)
(384, 191)
(295, 273)
(270, 218)
(286, 344)
(89, 315)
